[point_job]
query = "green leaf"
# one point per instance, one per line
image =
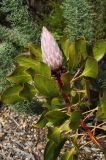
(11, 94)
(57, 102)
(91, 68)
(75, 119)
(99, 49)
(52, 149)
(41, 122)
(74, 57)
(26, 61)
(101, 113)
(46, 86)
(73, 93)
(65, 43)
(69, 155)
(36, 51)
(57, 117)
(80, 46)
(38, 67)
(54, 134)
(28, 91)
(19, 75)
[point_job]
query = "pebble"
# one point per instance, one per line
(87, 149)
(29, 143)
(94, 149)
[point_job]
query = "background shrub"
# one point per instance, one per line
(98, 14)
(83, 18)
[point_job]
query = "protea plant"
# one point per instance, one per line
(65, 94)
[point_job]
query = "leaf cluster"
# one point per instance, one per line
(32, 77)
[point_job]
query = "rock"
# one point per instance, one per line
(2, 136)
(87, 149)
(40, 146)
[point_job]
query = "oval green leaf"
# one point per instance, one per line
(19, 75)
(80, 46)
(57, 117)
(91, 68)
(74, 124)
(99, 49)
(35, 50)
(46, 86)
(74, 57)
(11, 94)
(65, 43)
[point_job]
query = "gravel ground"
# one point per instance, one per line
(19, 140)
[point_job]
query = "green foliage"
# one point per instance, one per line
(22, 28)
(83, 18)
(7, 54)
(63, 105)
(17, 28)
(17, 34)
(36, 66)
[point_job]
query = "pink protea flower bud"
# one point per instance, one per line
(51, 53)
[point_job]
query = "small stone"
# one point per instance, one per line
(87, 149)
(2, 136)
(29, 143)
(42, 151)
(40, 146)
(94, 149)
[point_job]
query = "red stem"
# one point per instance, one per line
(65, 96)
(68, 105)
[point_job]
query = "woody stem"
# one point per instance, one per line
(68, 105)
(65, 96)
